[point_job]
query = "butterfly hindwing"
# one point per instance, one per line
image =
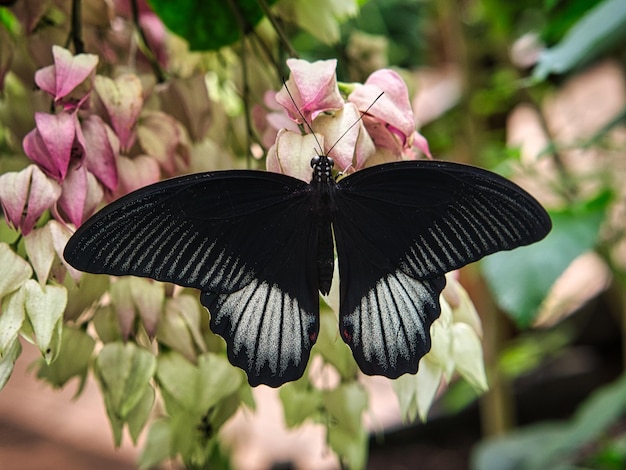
(244, 238)
(400, 227)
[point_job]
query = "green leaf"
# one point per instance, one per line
(332, 348)
(7, 361)
(124, 372)
(85, 294)
(14, 270)
(522, 278)
(553, 444)
(73, 360)
(138, 416)
(301, 401)
(346, 434)
(179, 328)
(44, 308)
(196, 388)
(599, 29)
(12, 316)
(106, 323)
(208, 24)
(158, 445)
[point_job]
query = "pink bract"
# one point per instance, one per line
(53, 141)
(313, 87)
(25, 195)
(67, 73)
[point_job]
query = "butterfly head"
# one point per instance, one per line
(322, 168)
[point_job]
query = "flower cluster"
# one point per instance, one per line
(456, 347)
(86, 149)
(373, 124)
(384, 131)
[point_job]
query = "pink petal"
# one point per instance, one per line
(44, 192)
(101, 150)
(82, 194)
(136, 173)
(292, 154)
(156, 35)
(393, 107)
(25, 195)
(14, 188)
(187, 100)
(68, 72)
(383, 137)
(349, 149)
(313, 87)
(420, 142)
(50, 144)
(122, 99)
(74, 196)
(161, 137)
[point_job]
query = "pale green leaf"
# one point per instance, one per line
(138, 416)
(197, 388)
(301, 401)
(148, 297)
(468, 356)
(601, 28)
(107, 325)
(12, 316)
(73, 359)
(158, 445)
(173, 331)
(346, 404)
(124, 372)
(332, 348)
(85, 294)
(14, 270)
(8, 361)
(188, 308)
(44, 308)
(40, 251)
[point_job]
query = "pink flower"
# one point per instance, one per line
(375, 125)
(120, 101)
(80, 197)
(313, 87)
(66, 76)
(25, 195)
(346, 139)
(102, 148)
(54, 141)
(390, 120)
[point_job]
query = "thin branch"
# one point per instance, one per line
(281, 34)
(243, 24)
(76, 32)
(145, 46)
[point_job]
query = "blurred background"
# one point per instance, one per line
(534, 90)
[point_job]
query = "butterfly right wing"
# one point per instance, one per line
(236, 236)
(399, 228)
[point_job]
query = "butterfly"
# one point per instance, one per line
(260, 246)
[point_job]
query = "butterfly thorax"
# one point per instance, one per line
(323, 188)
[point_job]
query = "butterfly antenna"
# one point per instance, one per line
(303, 118)
(355, 122)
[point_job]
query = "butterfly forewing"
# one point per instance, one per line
(399, 228)
(244, 238)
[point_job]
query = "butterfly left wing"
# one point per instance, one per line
(399, 228)
(234, 235)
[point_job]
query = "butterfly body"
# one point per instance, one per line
(260, 246)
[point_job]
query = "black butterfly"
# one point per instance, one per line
(259, 246)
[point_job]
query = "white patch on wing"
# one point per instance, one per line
(390, 321)
(267, 324)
